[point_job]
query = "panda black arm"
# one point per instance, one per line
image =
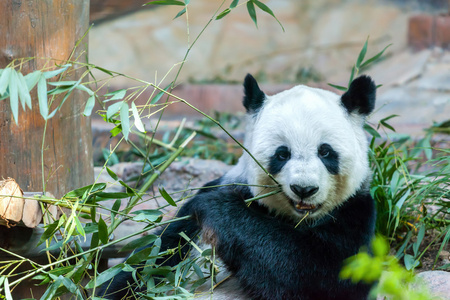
(268, 255)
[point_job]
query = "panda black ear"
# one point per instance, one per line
(253, 96)
(360, 96)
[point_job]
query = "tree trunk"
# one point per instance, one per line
(45, 29)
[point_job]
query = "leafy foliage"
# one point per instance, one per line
(395, 282)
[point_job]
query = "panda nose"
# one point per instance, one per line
(304, 191)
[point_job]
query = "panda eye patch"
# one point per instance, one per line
(279, 159)
(324, 150)
(329, 158)
(282, 153)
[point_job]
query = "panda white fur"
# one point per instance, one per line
(312, 143)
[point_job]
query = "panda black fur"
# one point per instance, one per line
(312, 143)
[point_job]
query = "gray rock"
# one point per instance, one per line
(438, 283)
(400, 69)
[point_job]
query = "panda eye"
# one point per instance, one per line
(324, 150)
(282, 153)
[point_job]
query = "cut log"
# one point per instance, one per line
(32, 212)
(11, 203)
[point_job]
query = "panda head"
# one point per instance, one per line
(311, 141)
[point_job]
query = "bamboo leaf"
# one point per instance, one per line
(362, 54)
(13, 95)
(24, 93)
(165, 2)
(338, 87)
(89, 106)
(42, 97)
(92, 188)
(4, 80)
(104, 70)
(8, 295)
(166, 196)
(113, 109)
(32, 79)
(252, 12)
(374, 58)
(116, 95)
(234, 4)
(105, 276)
(63, 83)
(139, 256)
(103, 231)
(84, 88)
(371, 131)
(125, 119)
(138, 243)
(180, 13)
(137, 118)
(352, 75)
(51, 74)
(112, 174)
(160, 94)
(223, 14)
(266, 9)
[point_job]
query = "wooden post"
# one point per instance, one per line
(45, 29)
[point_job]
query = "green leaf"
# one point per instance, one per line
(180, 13)
(234, 3)
(371, 131)
(104, 70)
(13, 95)
(125, 119)
(89, 106)
(112, 174)
(149, 215)
(32, 79)
(81, 191)
(42, 97)
(374, 58)
(352, 75)
(103, 231)
(137, 118)
(139, 256)
(223, 14)
(24, 93)
(7, 291)
(63, 83)
(166, 196)
(419, 239)
(160, 94)
(115, 209)
(4, 80)
(112, 195)
(84, 88)
(252, 12)
(116, 95)
(51, 290)
(138, 243)
(113, 109)
(165, 2)
(362, 54)
(266, 9)
(410, 262)
(338, 87)
(105, 276)
(79, 227)
(51, 74)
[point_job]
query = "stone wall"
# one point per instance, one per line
(321, 40)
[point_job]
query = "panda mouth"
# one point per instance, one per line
(303, 207)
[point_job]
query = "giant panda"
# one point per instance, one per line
(310, 144)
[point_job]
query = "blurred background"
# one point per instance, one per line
(319, 45)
